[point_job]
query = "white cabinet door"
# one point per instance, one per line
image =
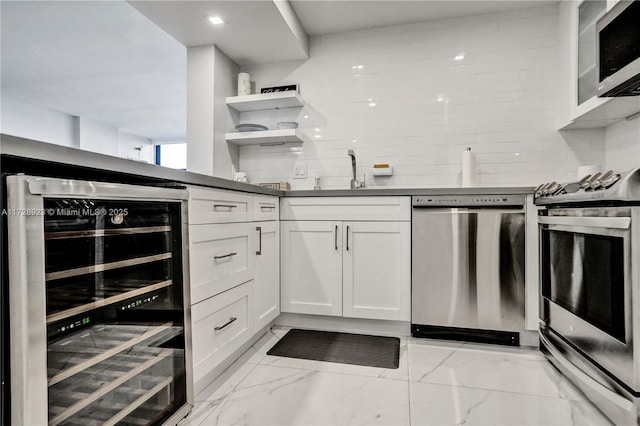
(267, 277)
(312, 267)
(377, 270)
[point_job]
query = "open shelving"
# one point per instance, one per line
(265, 137)
(264, 101)
(245, 105)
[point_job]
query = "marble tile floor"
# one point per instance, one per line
(438, 383)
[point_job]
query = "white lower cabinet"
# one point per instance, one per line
(221, 324)
(376, 270)
(312, 267)
(267, 276)
(352, 269)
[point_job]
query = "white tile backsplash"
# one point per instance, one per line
(502, 100)
(623, 145)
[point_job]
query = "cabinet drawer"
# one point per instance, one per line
(266, 208)
(208, 205)
(221, 324)
(222, 256)
(382, 208)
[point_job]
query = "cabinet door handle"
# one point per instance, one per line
(227, 206)
(225, 255)
(336, 237)
(347, 237)
(259, 229)
(232, 319)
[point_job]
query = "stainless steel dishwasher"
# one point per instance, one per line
(467, 264)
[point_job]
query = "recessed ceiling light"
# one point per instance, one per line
(459, 57)
(216, 20)
(357, 67)
(372, 104)
(318, 136)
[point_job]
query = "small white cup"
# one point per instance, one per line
(240, 177)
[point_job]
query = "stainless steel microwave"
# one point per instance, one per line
(618, 50)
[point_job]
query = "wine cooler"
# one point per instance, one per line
(99, 303)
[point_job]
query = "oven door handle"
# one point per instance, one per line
(591, 222)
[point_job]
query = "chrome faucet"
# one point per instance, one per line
(354, 182)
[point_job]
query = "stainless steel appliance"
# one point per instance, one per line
(618, 50)
(467, 278)
(99, 301)
(590, 292)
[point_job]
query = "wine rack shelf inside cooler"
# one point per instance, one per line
(98, 381)
(91, 233)
(84, 300)
(50, 276)
(89, 347)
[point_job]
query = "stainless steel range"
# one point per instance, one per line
(589, 235)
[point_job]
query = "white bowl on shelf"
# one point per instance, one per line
(287, 125)
(251, 127)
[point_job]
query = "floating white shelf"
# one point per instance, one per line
(265, 137)
(263, 101)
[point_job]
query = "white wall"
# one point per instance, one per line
(211, 77)
(225, 155)
(135, 147)
(502, 100)
(200, 92)
(623, 145)
(33, 122)
(38, 123)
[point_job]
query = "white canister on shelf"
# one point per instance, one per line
(244, 84)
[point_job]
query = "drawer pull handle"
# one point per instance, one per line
(267, 208)
(225, 255)
(227, 206)
(232, 319)
(259, 229)
(335, 238)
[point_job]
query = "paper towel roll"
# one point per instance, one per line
(587, 170)
(468, 168)
(244, 84)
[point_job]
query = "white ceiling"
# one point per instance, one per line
(97, 59)
(335, 16)
(254, 31)
(107, 61)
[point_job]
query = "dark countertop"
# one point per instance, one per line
(477, 190)
(23, 155)
(45, 159)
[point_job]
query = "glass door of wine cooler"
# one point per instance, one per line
(116, 338)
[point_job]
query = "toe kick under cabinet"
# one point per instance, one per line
(346, 256)
(234, 261)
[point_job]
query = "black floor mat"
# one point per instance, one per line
(345, 348)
